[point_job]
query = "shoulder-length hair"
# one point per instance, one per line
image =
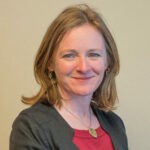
(106, 95)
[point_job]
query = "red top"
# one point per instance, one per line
(84, 141)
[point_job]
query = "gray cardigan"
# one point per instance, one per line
(41, 127)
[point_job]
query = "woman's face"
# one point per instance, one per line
(80, 61)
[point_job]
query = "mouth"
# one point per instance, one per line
(82, 78)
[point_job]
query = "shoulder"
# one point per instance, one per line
(112, 117)
(38, 127)
(110, 121)
(114, 126)
(39, 114)
(31, 127)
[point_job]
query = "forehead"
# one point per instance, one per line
(82, 37)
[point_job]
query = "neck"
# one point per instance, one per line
(81, 107)
(78, 104)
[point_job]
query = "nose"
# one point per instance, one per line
(83, 65)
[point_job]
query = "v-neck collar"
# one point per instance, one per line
(63, 133)
(67, 136)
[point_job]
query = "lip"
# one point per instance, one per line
(82, 78)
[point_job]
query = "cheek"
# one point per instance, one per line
(63, 68)
(100, 67)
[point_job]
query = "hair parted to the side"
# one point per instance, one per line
(106, 95)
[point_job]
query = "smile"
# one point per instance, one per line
(82, 78)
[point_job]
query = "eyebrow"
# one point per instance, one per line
(73, 50)
(67, 50)
(94, 49)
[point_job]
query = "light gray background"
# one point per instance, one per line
(22, 26)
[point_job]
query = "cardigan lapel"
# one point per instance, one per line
(113, 131)
(62, 132)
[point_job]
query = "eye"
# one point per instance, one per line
(69, 55)
(94, 55)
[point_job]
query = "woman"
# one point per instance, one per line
(76, 67)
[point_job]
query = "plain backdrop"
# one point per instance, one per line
(22, 26)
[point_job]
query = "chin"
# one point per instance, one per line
(84, 92)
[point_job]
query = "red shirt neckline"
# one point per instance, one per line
(85, 133)
(84, 141)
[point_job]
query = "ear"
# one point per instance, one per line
(50, 67)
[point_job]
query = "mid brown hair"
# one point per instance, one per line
(105, 96)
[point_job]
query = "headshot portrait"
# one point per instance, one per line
(76, 77)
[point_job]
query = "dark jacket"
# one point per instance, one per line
(41, 127)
